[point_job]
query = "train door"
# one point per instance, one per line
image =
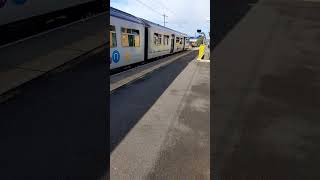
(183, 43)
(146, 43)
(172, 43)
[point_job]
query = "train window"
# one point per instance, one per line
(113, 37)
(177, 40)
(131, 40)
(166, 40)
(136, 32)
(130, 37)
(157, 38)
(124, 40)
(137, 41)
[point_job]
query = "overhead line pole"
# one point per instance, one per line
(164, 20)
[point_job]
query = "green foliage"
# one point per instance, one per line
(199, 41)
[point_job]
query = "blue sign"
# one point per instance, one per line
(19, 1)
(116, 56)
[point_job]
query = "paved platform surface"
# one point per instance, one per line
(28, 59)
(164, 132)
(266, 94)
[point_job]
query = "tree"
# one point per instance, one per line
(199, 41)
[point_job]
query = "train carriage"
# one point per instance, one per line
(158, 40)
(179, 42)
(126, 39)
(162, 40)
(134, 40)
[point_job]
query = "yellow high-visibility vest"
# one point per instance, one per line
(201, 51)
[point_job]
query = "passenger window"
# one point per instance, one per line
(166, 40)
(131, 40)
(130, 37)
(160, 38)
(137, 41)
(157, 38)
(136, 37)
(177, 40)
(124, 40)
(113, 37)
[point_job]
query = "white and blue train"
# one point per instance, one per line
(134, 40)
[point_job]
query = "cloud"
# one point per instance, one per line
(183, 15)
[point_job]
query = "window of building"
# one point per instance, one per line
(113, 37)
(130, 37)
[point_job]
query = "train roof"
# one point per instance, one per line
(154, 24)
(126, 16)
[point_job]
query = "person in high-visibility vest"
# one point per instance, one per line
(201, 51)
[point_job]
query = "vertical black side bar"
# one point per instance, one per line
(146, 43)
(172, 43)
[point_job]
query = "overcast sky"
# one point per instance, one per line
(183, 15)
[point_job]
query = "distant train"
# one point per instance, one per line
(134, 39)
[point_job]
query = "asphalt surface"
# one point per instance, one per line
(266, 99)
(138, 97)
(55, 127)
(186, 152)
(164, 132)
(226, 16)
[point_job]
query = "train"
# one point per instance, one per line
(134, 40)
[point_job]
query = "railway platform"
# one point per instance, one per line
(168, 111)
(32, 57)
